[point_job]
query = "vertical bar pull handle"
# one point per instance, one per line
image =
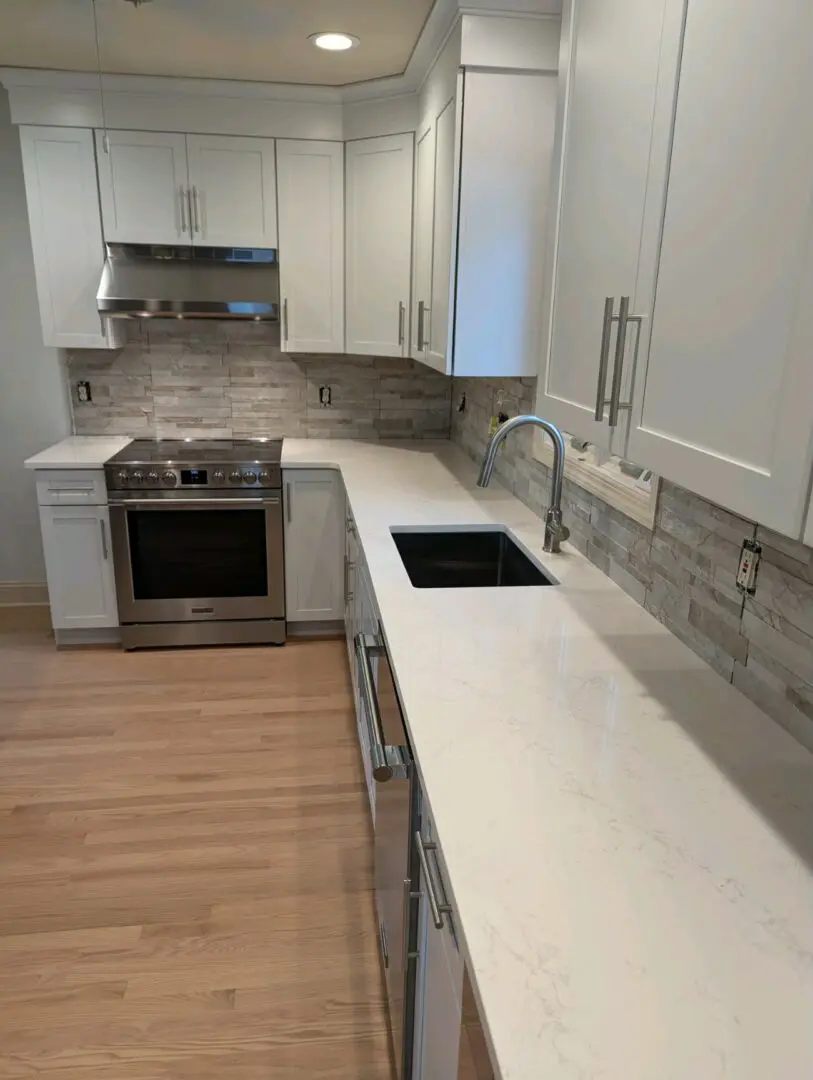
(401, 320)
(437, 909)
(182, 192)
(103, 530)
(382, 770)
(285, 319)
(289, 503)
(421, 318)
(604, 356)
(197, 207)
(618, 369)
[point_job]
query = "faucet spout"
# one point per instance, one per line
(555, 531)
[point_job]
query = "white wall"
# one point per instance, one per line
(34, 408)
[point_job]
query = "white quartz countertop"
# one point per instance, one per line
(79, 452)
(629, 841)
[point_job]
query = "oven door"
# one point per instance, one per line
(191, 559)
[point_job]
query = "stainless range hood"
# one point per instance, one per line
(141, 281)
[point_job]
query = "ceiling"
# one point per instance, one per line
(260, 40)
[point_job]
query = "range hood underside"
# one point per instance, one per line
(189, 283)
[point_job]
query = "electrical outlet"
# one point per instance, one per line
(83, 395)
(325, 396)
(750, 556)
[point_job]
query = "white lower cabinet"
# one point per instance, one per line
(314, 545)
(440, 985)
(79, 567)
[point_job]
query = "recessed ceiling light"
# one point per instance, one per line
(334, 41)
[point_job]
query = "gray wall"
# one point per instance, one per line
(34, 409)
(683, 570)
(209, 379)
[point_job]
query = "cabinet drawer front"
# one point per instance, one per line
(71, 487)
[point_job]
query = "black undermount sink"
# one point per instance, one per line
(466, 559)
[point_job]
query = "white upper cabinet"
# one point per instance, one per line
(703, 224)
(447, 156)
(379, 242)
(143, 182)
(607, 97)
(310, 187)
(233, 185)
(423, 228)
(484, 152)
(726, 401)
(507, 147)
(66, 236)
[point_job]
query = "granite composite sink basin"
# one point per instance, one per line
(467, 559)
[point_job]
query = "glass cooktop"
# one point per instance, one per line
(167, 451)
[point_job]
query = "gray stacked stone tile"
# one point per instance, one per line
(683, 571)
(208, 379)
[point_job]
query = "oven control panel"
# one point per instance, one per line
(168, 477)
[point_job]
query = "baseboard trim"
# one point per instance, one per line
(24, 617)
(15, 593)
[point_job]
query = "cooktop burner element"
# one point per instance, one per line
(195, 465)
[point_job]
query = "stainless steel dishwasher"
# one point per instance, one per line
(396, 860)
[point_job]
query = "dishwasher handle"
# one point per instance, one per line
(382, 770)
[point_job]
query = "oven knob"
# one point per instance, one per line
(122, 478)
(265, 478)
(235, 477)
(152, 477)
(169, 478)
(137, 476)
(218, 476)
(249, 478)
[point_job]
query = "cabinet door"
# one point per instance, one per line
(310, 184)
(422, 255)
(607, 98)
(726, 407)
(144, 187)
(379, 243)
(66, 235)
(444, 237)
(440, 992)
(234, 191)
(314, 546)
(79, 566)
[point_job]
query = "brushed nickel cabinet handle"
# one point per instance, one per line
(182, 193)
(421, 319)
(288, 503)
(197, 208)
(604, 356)
(105, 553)
(401, 320)
(285, 319)
(438, 910)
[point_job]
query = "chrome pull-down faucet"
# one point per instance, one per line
(555, 531)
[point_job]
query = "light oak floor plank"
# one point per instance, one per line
(186, 877)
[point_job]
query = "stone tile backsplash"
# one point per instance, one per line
(683, 570)
(206, 379)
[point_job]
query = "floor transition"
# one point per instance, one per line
(185, 867)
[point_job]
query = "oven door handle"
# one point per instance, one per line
(193, 504)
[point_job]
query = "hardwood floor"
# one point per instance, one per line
(185, 867)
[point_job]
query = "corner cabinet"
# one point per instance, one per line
(310, 190)
(704, 228)
(378, 242)
(59, 166)
(481, 199)
(314, 546)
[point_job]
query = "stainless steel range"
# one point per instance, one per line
(197, 538)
